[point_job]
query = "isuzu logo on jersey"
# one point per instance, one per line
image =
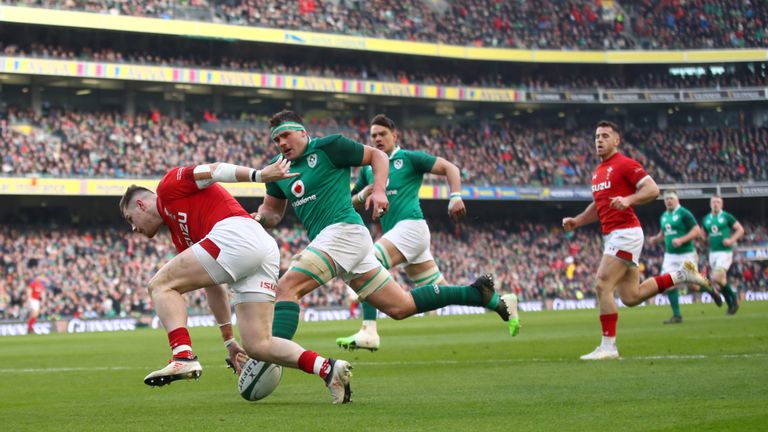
(601, 186)
(297, 188)
(311, 161)
(398, 163)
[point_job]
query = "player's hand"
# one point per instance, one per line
(456, 209)
(621, 203)
(279, 170)
(363, 195)
(677, 242)
(378, 200)
(569, 224)
(728, 242)
(236, 356)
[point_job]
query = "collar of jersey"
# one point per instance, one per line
(674, 210)
(394, 152)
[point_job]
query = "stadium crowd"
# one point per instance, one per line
(547, 24)
(251, 59)
(101, 272)
(114, 145)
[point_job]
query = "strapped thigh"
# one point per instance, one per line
(373, 283)
(314, 264)
(427, 277)
(382, 255)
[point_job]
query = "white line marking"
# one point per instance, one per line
(400, 363)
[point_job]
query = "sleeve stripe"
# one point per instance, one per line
(640, 182)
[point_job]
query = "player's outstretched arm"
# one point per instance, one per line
(452, 174)
(588, 216)
(271, 212)
(223, 172)
(379, 162)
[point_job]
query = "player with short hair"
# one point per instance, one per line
(219, 243)
(723, 231)
(340, 244)
(678, 230)
(618, 184)
(406, 236)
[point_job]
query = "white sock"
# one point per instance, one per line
(608, 342)
(678, 276)
(369, 326)
(318, 368)
(181, 348)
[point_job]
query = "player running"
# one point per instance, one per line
(340, 244)
(618, 184)
(219, 243)
(678, 230)
(723, 231)
(406, 236)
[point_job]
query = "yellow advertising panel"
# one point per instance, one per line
(101, 187)
(168, 74)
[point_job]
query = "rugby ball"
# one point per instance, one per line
(258, 379)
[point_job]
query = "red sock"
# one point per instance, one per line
(30, 324)
(608, 321)
(311, 363)
(664, 281)
(179, 337)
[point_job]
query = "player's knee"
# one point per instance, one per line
(399, 312)
(630, 299)
(257, 349)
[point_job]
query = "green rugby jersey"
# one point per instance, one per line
(320, 195)
(674, 224)
(718, 227)
(406, 172)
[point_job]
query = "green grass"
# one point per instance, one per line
(459, 373)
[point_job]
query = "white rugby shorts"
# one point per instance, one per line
(239, 252)
(673, 262)
(625, 244)
(351, 248)
(412, 239)
(34, 304)
(720, 260)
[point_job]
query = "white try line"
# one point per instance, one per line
(400, 363)
(557, 360)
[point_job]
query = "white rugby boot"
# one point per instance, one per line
(177, 369)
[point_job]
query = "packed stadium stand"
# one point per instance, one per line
(571, 25)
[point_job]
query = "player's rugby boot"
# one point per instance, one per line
(338, 379)
(177, 369)
(507, 304)
(363, 339)
(602, 353)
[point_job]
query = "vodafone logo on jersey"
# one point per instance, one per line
(298, 189)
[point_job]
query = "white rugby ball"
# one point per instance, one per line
(258, 379)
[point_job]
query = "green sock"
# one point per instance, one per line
(370, 313)
(727, 293)
(674, 301)
(431, 297)
(286, 320)
(727, 290)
